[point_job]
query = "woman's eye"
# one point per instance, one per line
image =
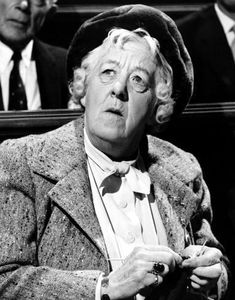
(138, 79)
(139, 84)
(108, 75)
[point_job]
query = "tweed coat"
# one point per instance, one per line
(51, 245)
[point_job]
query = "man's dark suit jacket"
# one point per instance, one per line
(51, 73)
(212, 57)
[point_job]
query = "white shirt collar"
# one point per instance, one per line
(6, 54)
(100, 159)
(138, 177)
(27, 53)
(226, 22)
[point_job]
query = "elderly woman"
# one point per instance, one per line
(97, 209)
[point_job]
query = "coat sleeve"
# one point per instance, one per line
(201, 227)
(20, 275)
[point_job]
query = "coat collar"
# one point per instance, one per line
(175, 178)
(169, 171)
(71, 192)
(47, 75)
(60, 151)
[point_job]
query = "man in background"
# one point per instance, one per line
(209, 36)
(32, 73)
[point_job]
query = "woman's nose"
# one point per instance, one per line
(120, 90)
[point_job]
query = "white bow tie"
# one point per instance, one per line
(137, 180)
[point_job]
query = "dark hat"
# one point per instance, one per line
(160, 26)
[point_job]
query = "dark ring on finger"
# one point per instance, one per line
(157, 268)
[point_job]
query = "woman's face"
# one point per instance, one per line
(119, 96)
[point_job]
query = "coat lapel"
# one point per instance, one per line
(71, 192)
(47, 75)
(173, 191)
(73, 195)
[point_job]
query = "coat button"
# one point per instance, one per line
(123, 204)
(130, 238)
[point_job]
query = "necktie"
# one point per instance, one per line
(233, 42)
(17, 96)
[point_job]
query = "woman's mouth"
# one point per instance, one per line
(115, 111)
